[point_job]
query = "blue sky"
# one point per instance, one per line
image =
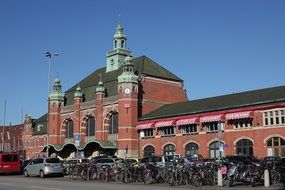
(217, 47)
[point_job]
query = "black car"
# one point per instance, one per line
(240, 159)
(24, 163)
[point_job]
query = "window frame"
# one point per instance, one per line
(274, 117)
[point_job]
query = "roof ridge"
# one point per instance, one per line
(219, 103)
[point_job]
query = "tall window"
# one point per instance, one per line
(115, 43)
(274, 117)
(113, 124)
(244, 147)
(169, 149)
(214, 150)
(148, 150)
(69, 129)
(276, 147)
(191, 149)
(90, 131)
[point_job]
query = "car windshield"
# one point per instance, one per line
(52, 160)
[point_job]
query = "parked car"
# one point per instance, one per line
(132, 161)
(172, 158)
(105, 162)
(42, 167)
(157, 160)
(271, 159)
(103, 156)
(24, 163)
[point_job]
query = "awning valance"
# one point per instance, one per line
(212, 118)
(239, 115)
(165, 123)
(145, 126)
(187, 121)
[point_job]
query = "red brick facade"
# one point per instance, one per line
(259, 134)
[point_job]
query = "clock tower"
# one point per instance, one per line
(115, 57)
(128, 110)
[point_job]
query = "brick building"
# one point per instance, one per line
(11, 138)
(248, 123)
(124, 109)
(99, 114)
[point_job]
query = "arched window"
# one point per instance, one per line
(191, 149)
(113, 124)
(90, 130)
(122, 44)
(214, 150)
(169, 149)
(69, 129)
(115, 43)
(276, 147)
(148, 150)
(244, 147)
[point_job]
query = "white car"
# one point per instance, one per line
(44, 166)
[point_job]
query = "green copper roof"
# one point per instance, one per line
(142, 65)
(56, 93)
(231, 101)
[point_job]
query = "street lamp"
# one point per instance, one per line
(49, 55)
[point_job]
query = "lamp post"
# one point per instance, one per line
(49, 55)
(3, 139)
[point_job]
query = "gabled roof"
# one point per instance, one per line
(40, 121)
(218, 103)
(143, 65)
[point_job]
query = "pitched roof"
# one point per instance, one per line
(143, 65)
(230, 101)
(40, 121)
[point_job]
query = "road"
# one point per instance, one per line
(17, 182)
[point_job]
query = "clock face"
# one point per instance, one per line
(127, 91)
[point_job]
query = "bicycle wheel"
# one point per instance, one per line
(275, 177)
(197, 181)
(126, 177)
(147, 178)
(103, 177)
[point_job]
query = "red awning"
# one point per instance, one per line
(187, 121)
(239, 115)
(145, 126)
(165, 123)
(212, 118)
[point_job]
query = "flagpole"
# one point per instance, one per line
(4, 125)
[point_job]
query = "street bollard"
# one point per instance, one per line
(220, 178)
(266, 178)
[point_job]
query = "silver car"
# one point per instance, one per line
(44, 166)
